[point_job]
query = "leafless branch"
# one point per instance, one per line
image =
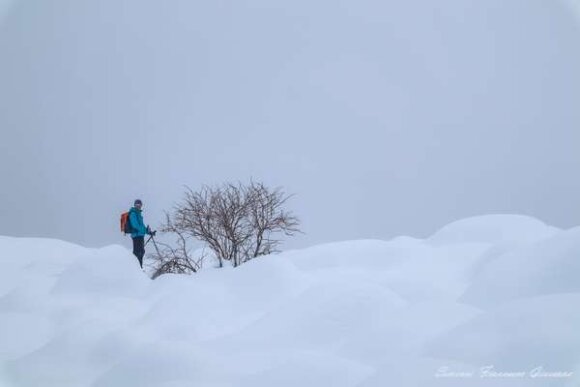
(237, 222)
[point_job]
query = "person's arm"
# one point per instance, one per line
(134, 221)
(142, 228)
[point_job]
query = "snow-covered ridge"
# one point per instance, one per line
(498, 290)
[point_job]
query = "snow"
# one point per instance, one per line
(499, 291)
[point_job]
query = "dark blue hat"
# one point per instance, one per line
(138, 201)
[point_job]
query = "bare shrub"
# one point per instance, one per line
(236, 222)
(170, 259)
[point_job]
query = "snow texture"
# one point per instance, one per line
(485, 301)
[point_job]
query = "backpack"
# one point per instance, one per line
(126, 223)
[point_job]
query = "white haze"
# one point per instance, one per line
(383, 117)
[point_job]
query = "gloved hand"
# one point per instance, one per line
(152, 233)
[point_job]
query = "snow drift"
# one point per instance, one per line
(485, 301)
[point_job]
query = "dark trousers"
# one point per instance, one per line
(139, 249)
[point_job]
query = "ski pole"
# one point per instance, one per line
(155, 244)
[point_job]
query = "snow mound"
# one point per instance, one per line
(493, 229)
(498, 290)
(539, 331)
(546, 267)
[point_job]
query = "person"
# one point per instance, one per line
(139, 230)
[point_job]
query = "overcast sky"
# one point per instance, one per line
(385, 118)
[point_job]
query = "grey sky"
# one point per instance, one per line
(383, 117)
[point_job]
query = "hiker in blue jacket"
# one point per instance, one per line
(139, 230)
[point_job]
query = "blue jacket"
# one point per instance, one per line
(136, 220)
